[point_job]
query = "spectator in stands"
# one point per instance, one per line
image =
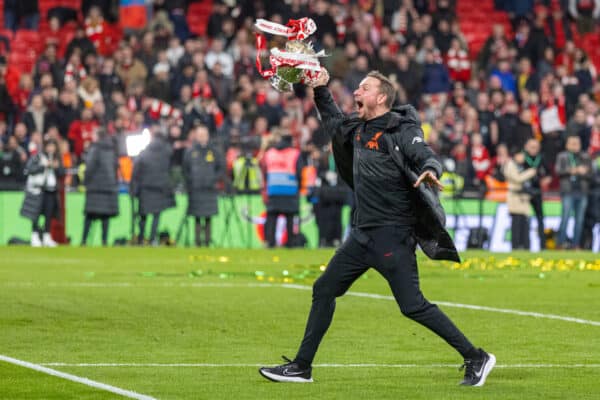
(81, 131)
(222, 86)
(235, 124)
(585, 12)
(159, 86)
(101, 185)
(74, 69)
(89, 92)
(578, 126)
(20, 134)
(48, 62)
(360, 67)
(37, 118)
(444, 36)
(493, 45)
(282, 165)
(217, 54)
(19, 13)
(97, 30)
(43, 171)
(109, 81)
(67, 111)
(147, 52)
(203, 167)
(80, 41)
(408, 75)
(150, 183)
(131, 70)
(573, 167)
(507, 124)
(177, 10)
(272, 110)
(436, 80)
(216, 19)
(506, 76)
(518, 199)
(324, 20)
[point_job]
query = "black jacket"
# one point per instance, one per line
(202, 168)
(150, 179)
(382, 171)
(101, 184)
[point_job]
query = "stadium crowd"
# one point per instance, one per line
(526, 102)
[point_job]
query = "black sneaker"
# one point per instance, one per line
(477, 369)
(289, 372)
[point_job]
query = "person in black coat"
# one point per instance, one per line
(43, 171)
(101, 184)
(203, 166)
(151, 183)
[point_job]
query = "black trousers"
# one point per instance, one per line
(202, 231)
(519, 231)
(48, 210)
(153, 227)
(87, 224)
(329, 223)
(271, 228)
(536, 203)
(391, 251)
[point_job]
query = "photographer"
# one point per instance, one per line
(575, 171)
(203, 166)
(542, 178)
(519, 186)
(41, 192)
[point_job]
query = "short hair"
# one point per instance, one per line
(386, 87)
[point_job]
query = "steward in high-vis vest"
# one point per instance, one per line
(283, 168)
(247, 175)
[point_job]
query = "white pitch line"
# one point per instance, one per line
(305, 287)
(74, 378)
(368, 365)
(467, 306)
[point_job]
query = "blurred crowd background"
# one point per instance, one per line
(491, 79)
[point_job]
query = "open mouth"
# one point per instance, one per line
(359, 105)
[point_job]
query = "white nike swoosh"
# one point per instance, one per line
(478, 374)
(286, 373)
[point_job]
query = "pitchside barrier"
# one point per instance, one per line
(241, 218)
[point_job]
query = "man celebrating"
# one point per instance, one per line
(381, 154)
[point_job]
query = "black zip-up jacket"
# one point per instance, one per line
(383, 196)
(380, 159)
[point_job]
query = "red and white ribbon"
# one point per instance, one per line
(295, 29)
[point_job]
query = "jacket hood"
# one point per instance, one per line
(403, 115)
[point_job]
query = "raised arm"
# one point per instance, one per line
(330, 114)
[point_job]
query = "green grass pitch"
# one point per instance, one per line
(196, 324)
